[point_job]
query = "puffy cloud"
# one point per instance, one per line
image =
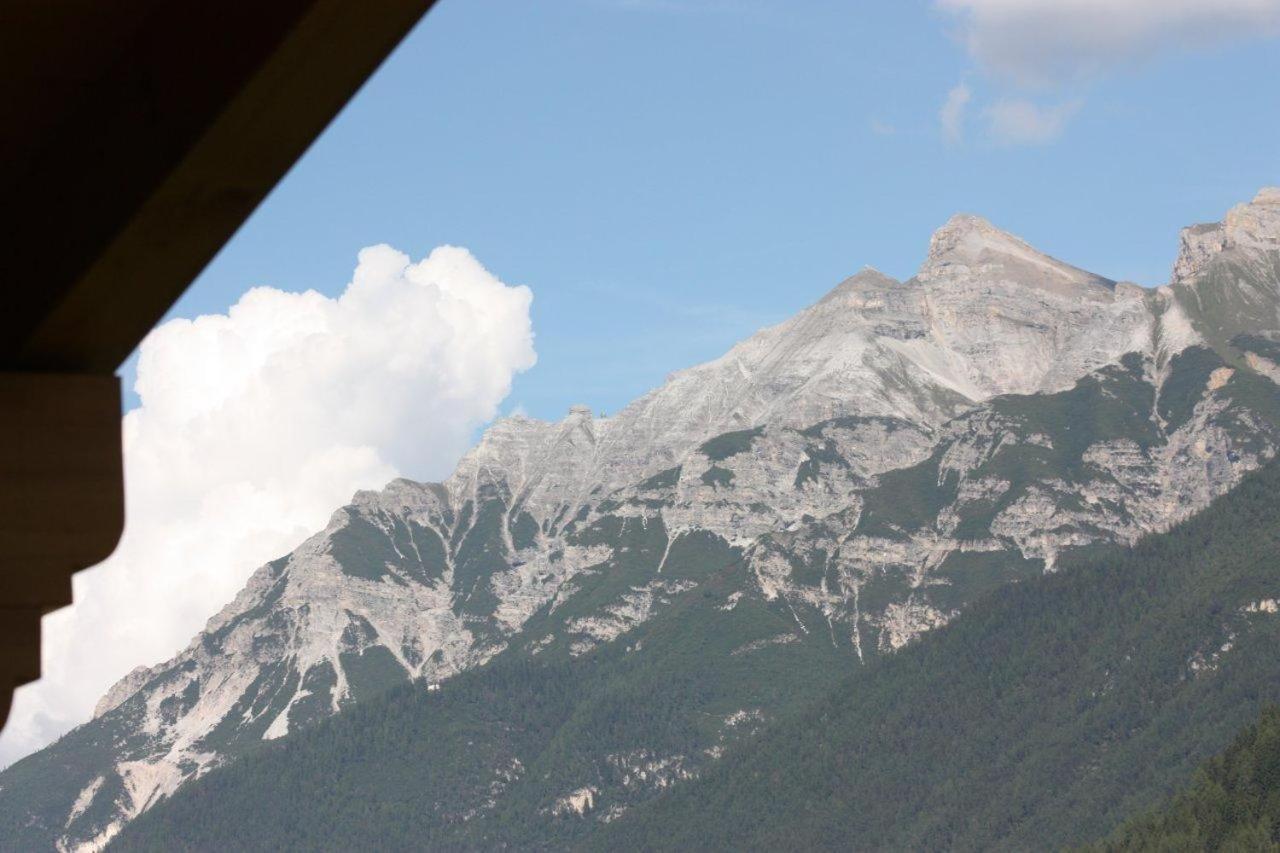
(951, 116)
(254, 426)
(1016, 121)
(1038, 42)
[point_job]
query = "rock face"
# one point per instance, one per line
(1252, 228)
(986, 315)
(866, 469)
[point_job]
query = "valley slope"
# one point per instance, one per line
(1043, 717)
(1040, 718)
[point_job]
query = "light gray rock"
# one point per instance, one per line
(1249, 227)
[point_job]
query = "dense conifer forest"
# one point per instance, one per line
(1233, 804)
(1044, 716)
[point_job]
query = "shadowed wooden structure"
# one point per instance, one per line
(137, 136)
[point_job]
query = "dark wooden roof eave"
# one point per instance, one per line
(135, 138)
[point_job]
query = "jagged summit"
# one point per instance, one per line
(987, 315)
(1267, 197)
(969, 246)
(866, 280)
(1252, 227)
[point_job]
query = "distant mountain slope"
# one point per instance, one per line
(869, 468)
(511, 754)
(1233, 804)
(1042, 717)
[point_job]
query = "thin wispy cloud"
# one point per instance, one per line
(683, 6)
(1036, 46)
(1037, 43)
(880, 128)
(951, 116)
(1018, 121)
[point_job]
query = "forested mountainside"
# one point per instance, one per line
(1044, 715)
(825, 493)
(1233, 804)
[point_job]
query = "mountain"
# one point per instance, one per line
(824, 493)
(1045, 714)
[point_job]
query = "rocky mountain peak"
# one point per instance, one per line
(969, 247)
(580, 428)
(867, 280)
(122, 690)
(1253, 226)
(963, 227)
(987, 315)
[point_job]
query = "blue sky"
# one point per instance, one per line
(669, 175)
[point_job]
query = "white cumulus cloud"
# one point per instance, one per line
(1040, 42)
(254, 426)
(1017, 121)
(951, 116)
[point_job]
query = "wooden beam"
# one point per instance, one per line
(129, 181)
(62, 504)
